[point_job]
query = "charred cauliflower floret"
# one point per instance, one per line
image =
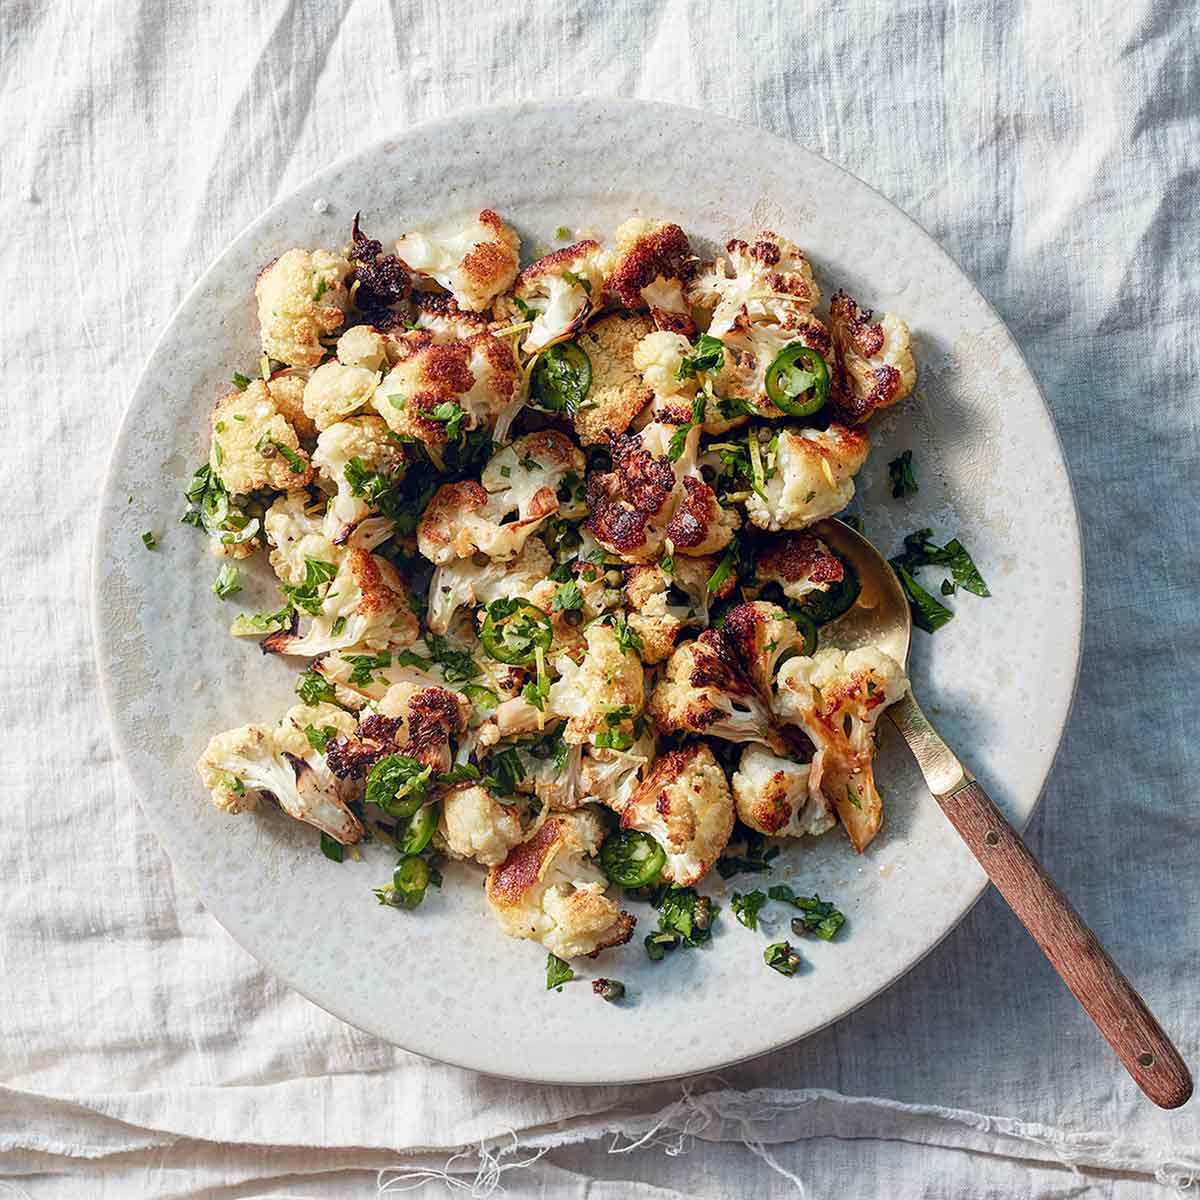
(761, 634)
(301, 299)
(475, 825)
(767, 281)
(650, 268)
(286, 389)
(335, 391)
(801, 564)
(563, 289)
(435, 379)
(475, 259)
(685, 805)
(521, 482)
(410, 719)
(630, 507)
(253, 447)
(874, 366)
(773, 795)
(836, 698)
(652, 616)
(813, 477)
(346, 455)
(364, 605)
(242, 765)
(463, 582)
(699, 525)
(741, 380)
(296, 534)
(547, 890)
(617, 392)
(705, 690)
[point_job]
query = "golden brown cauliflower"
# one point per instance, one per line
(650, 268)
(475, 258)
(547, 890)
(874, 367)
(301, 299)
(364, 441)
(335, 391)
(295, 532)
(253, 446)
(476, 375)
(286, 389)
(773, 795)
(685, 805)
(363, 346)
(617, 393)
(813, 477)
(836, 698)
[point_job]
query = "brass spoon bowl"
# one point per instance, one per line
(881, 617)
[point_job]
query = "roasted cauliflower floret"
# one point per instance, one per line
(761, 634)
(411, 719)
(801, 564)
(434, 379)
(547, 890)
(335, 391)
(741, 380)
(652, 616)
(813, 477)
(650, 268)
(564, 289)
(612, 776)
(465, 582)
(286, 389)
(522, 481)
(301, 299)
(630, 507)
(874, 365)
(242, 765)
(363, 346)
(365, 605)
(296, 534)
(772, 795)
(608, 680)
(685, 805)
(767, 281)
(617, 392)
(253, 446)
(836, 698)
(475, 825)
(659, 357)
(476, 259)
(699, 525)
(347, 455)
(706, 690)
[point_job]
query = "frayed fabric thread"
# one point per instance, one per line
(392, 1181)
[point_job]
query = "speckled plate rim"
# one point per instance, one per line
(446, 1051)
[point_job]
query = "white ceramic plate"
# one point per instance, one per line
(444, 981)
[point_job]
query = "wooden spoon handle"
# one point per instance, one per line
(1084, 965)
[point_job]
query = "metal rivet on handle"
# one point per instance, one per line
(1147, 1059)
(992, 838)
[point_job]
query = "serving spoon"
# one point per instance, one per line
(881, 617)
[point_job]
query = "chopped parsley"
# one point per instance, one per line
(904, 482)
(149, 541)
(364, 664)
(318, 739)
(227, 582)
(746, 908)
(240, 381)
(558, 972)
(679, 438)
(708, 354)
(562, 233)
(780, 956)
(332, 849)
(757, 856)
(450, 415)
(315, 689)
(567, 596)
(577, 281)
(817, 916)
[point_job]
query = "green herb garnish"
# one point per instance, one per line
(904, 482)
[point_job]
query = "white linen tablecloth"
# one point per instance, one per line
(1050, 147)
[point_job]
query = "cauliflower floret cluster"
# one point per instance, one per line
(836, 698)
(685, 805)
(523, 523)
(242, 765)
(253, 447)
(548, 890)
(301, 299)
(475, 260)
